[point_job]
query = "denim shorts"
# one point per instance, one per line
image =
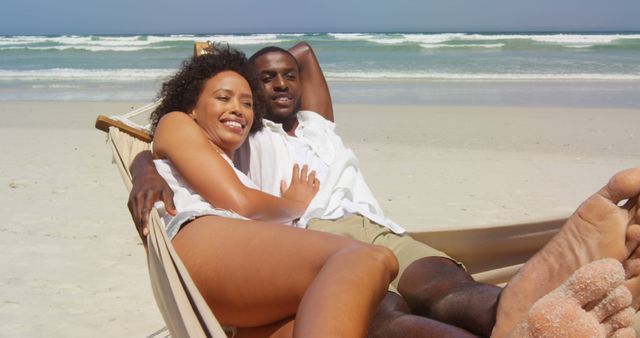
(185, 217)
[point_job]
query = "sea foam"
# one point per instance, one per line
(570, 40)
(360, 76)
(66, 74)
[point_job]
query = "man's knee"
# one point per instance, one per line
(430, 269)
(430, 278)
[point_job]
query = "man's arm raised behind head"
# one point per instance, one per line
(315, 91)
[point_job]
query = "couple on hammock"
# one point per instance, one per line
(283, 238)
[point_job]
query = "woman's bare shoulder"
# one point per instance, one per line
(174, 117)
(175, 130)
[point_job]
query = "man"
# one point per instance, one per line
(432, 295)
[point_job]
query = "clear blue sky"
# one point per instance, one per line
(257, 16)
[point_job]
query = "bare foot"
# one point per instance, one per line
(598, 229)
(593, 302)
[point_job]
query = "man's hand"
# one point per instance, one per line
(148, 188)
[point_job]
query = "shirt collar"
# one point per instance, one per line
(304, 117)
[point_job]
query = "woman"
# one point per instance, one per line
(254, 275)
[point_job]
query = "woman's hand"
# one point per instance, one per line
(303, 188)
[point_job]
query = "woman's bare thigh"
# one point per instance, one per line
(253, 273)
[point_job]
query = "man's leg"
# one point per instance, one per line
(438, 288)
(598, 229)
(593, 302)
(434, 286)
(393, 316)
(435, 289)
(393, 319)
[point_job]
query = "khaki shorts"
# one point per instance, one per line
(406, 249)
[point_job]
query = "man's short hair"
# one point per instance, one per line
(271, 49)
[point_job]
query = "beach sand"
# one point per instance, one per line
(472, 166)
(73, 265)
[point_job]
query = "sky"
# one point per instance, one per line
(29, 17)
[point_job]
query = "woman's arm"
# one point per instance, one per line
(179, 139)
(314, 89)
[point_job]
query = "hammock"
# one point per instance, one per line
(184, 310)
(492, 254)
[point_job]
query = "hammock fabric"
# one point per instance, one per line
(184, 310)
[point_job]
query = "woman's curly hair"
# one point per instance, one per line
(181, 92)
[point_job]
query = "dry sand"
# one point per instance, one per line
(72, 262)
(472, 166)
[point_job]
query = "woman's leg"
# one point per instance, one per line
(253, 274)
(281, 329)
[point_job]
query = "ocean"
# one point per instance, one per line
(567, 69)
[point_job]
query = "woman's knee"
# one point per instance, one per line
(376, 258)
(388, 258)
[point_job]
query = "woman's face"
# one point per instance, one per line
(225, 110)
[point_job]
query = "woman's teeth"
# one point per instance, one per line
(233, 124)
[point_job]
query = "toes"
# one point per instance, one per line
(594, 280)
(615, 301)
(623, 185)
(554, 317)
(631, 204)
(632, 238)
(632, 268)
(632, 265)
(621, 320)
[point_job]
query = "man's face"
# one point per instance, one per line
(280, 79)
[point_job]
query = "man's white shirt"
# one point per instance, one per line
(269, 155)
